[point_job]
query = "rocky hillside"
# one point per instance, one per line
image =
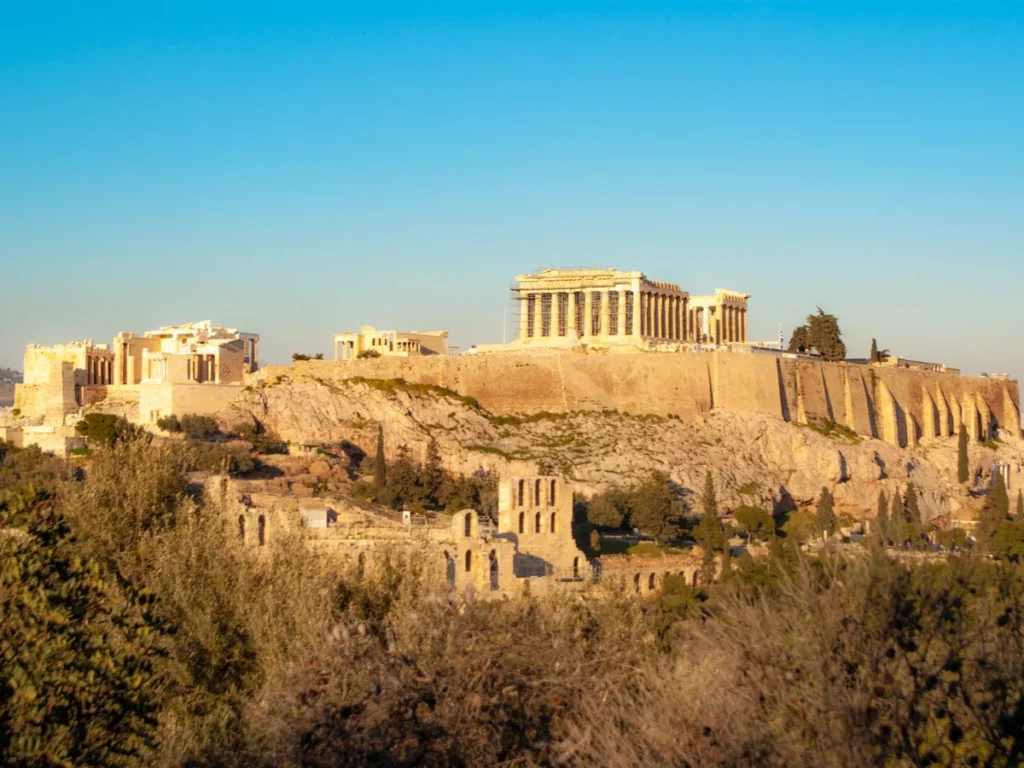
(754, 458)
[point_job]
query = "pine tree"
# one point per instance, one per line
(826, 518)
(709, 498)
(874, 351)
(962, 467)
(882, 519)
(654, 510)
(994, 511)
(380, 467)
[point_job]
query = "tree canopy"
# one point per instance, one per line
(821, 334)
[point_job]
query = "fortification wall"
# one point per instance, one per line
(902, 406)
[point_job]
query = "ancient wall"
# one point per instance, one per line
(162, 399)
(902, 406)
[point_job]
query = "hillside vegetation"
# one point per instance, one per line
(138, 631)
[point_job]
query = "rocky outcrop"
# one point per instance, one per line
(754, 458)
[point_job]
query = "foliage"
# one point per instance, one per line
(297, 356)
(758, 524)
(169, 423)
(263, 443)
(821, 333)
(962, 466)
(107, 429)
(199, 427)
(994, 512)
(610, 509)
(825, 517)
(433, 474)
(380, 465)
(873, 357)
(654, 509)
(368, 354)
(880, 530)
(954, 538)
(709, 499)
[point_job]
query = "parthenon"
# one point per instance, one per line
(608, 306)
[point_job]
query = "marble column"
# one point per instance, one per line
(588, 313)
(555, 314)
(537, 302)
(606, 314)
(743, 325)
(621, 324)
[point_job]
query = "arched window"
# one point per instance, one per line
(536, 493)
(361, 565)
(522, 484)
(469, 524)
(241, 527)
(494, 569)
(552, 522)
(636, 582)
(536, 523)
(575, 567)
(552, 498)
(262, 530)
(522, 522)
(469, 560)
(696, 577)
(650, 582)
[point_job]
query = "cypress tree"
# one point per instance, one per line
(897, 520)
(826, 518)
(380, 467)
(998, 500)
(709, 498)
(962, 467)
(433, 473)
(912, 510)
(874, 351)
(1020, 504)
(882, 519)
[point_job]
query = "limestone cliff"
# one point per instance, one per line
(755, 458)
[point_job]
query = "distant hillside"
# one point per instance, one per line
(8, 379)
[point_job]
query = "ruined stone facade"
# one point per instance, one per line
(369, 340)
(565, 307)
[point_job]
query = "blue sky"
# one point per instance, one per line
(298, 170)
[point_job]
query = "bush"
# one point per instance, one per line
(199, 427)
(169, 423)
(107, 429)
(368, 354)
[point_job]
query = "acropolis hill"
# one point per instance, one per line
(591, 343)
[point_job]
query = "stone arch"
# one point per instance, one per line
(636, 582)
(536, 523)
(522, 489)
(241, 527)
(651, 582)
(469, 560)
(262, 531)
(494, 569)
(552, 522)
(522, 522)
(696, 578)
(468, 526)
(536, 493)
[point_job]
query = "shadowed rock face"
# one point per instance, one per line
(774, 462)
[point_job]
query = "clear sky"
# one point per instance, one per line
(298, 170)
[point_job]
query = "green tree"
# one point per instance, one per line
(874, 351)
(898, 520)
(825, 521)
(962, 466)
(107, 429)
(757, 523)
(609, 509)
(380, 465)
(433, 474)
(710, 533)
(654, 510)
(78, 684)
(403, 487)
(912, 509)
(709, 498)
(821, 333)
(994, 511)
(882, 520)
